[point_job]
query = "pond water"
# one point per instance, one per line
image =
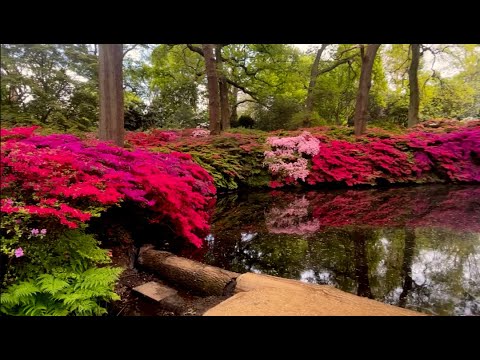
(415, 247)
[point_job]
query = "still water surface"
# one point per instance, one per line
(416, 247)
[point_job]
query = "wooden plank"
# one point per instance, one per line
(155, 291)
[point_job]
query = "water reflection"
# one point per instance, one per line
(417, 248)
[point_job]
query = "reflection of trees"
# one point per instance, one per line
(359, 237)
(445, 272)
(409, 247)
(407, 265)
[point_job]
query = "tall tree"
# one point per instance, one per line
(414, 104)
(213, 89)
(223, 87)
(111, 93)
(51, 85)
(234, 105)
(361, 106)
(313, 79)
(316, 70)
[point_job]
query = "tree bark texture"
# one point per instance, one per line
(233, 112)
(223, 87)
(414, 105)
(314, 72)
(213, 89)
(111, 127)
(361, 106)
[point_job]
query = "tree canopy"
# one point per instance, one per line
(277, 85)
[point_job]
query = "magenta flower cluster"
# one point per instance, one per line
(60, 177)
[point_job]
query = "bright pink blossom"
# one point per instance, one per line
(67, 175)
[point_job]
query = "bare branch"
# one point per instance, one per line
(128, 49)
(345, 51)
(245, 100)
(238, 86)
(336, 64)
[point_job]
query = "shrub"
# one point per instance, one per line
(56, 274)
(287, 159)
(53, 184)
(200, 133)
(246, 121)
(64, 177)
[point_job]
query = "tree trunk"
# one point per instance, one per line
(111, 93)
(407, 265)
(233, 113)
(213, 89)
(190, 274)
(311, 86)
(223, 86)
(414, 105)
(361, 106)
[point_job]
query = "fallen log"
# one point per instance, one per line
(192, 275)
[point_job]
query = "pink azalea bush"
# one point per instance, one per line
(152, 138)
(198, 133)
(288, 157)
(62, 180)
(414, 157)
(52, 186)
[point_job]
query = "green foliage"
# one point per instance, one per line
(298, 120)
(234, 159)
(56, 85)
(49, 84)
(58, 276)
(279, 114)
(62, 293)
(246, 121)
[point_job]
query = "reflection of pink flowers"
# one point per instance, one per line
(293, 219)
(19, 252)
(307, 227)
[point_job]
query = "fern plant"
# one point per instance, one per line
(62, 293)
(61, 277)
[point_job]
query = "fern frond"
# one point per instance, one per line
(8, 299)
(34, 309)
(69, 299)
(50, 284)
(58, 312)
(99, 277)
(24, 289)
